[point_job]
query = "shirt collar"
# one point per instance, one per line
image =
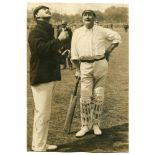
(89, 30)
(45, 26)
(63, 28)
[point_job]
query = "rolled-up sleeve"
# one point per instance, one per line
(112, 36)
(74, 53)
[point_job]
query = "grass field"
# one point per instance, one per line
(114, 122)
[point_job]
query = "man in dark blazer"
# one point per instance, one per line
(65, 50)
(44, 72)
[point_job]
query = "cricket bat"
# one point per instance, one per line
(71, 108)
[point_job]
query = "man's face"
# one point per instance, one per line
(44, 13)
(88, 18)
(64, 25)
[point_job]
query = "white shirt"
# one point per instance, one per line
(88, 44)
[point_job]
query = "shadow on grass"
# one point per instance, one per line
(114, 139)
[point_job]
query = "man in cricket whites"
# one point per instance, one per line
(90, 57)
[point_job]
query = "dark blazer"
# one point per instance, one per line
(44, 61)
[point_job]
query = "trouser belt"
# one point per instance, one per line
(91, 61)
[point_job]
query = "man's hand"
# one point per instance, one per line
(107, 54)
(76, 63)
(77, 73)
(63, 35)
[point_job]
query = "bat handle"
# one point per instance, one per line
(76, 86)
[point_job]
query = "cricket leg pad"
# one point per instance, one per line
(97, 110)
(85, 109)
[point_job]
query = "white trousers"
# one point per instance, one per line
(43, 95)
(93, 76)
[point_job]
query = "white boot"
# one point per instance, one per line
(97, 130)
(51, 147)
(48, 147)
(82, 132)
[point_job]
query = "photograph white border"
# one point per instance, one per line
(13, 78)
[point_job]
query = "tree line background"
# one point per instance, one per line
(118, 16)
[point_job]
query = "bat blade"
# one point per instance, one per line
(70, 113)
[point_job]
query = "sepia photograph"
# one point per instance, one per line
(78, 77)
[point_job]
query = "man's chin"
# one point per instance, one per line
(87, 21)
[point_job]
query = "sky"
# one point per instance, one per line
(73, 8)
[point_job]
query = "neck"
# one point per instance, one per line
(44, 20)
(89, 26)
